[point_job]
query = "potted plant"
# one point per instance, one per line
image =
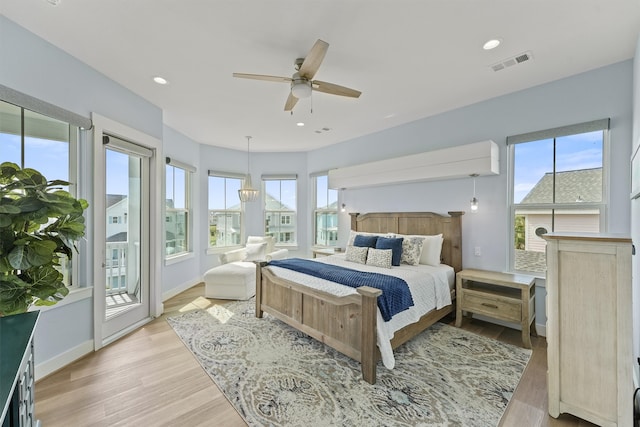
(39, 224)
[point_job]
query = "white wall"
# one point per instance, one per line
(183, 272)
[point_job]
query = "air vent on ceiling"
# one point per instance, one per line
(509, 62)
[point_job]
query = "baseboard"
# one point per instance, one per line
(60, 361)
(181, 288)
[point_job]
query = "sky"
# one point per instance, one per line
(533, 159)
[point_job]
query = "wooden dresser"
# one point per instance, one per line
(589, 327)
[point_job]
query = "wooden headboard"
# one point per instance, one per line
(424, 223)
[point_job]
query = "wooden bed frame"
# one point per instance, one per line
(348, 324)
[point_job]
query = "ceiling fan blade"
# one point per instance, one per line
(334, 89)
(263, 77)
(314, 58)
(291, 102)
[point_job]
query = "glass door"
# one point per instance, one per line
(126, 261)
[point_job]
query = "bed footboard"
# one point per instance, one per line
(347, 324)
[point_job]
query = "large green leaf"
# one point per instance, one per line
(6, 208)
(40, 252)
(18, 258)
(15, 295)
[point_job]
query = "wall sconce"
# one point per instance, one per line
(474, 200)
(343, 208)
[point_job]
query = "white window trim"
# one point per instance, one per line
(212, 250)
(562, 131)
(188, 176)
(315, 210)
(295, 213)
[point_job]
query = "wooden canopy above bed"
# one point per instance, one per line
(422, 223)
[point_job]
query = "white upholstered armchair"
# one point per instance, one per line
(258, 248)
(235, 277)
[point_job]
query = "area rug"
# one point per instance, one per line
(275, 375)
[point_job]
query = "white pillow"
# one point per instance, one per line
(356, 254)
(256, 251)
(379, 257)
(269, 240)
(233, 256)
(431, 250)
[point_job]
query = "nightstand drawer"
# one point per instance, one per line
(498, 308)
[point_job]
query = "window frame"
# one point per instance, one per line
(74, 136)
(187, 210)
(318, 211)
(293, 214)
(603, 206)
(241, 211)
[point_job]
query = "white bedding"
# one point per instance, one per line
(430, 288)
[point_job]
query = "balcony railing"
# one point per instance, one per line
(118, 279)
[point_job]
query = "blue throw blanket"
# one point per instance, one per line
(396, 296)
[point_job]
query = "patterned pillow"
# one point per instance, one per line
(356, 254)
(379, 257)
(411, 250)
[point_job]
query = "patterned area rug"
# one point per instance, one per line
(277, 376)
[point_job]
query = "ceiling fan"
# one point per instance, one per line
(302, 83)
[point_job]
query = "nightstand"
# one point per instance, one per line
(320, 252)
(503, 296)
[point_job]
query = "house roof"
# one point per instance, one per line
(584, 185)
(112, 199)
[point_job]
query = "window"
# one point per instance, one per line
(559, 184)
(280, 208)
(226, 227)
(178, 210)
(325, 213)
(32, 140)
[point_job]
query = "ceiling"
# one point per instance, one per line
(410, 58)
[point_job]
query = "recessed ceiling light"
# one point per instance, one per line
(491, 44)
(160, 80)
(299, 124)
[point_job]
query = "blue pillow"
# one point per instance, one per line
(365, 241)
(395, 244)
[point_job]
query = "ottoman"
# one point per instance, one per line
(235, 280)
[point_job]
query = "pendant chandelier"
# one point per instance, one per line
(474, 200)
(247, 193)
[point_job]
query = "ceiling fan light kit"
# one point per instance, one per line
(302, 83)
(300, 87)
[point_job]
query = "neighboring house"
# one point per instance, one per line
(579, 186)
(280, 222)
(117, 244)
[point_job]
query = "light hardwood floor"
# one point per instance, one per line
(149, 378)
